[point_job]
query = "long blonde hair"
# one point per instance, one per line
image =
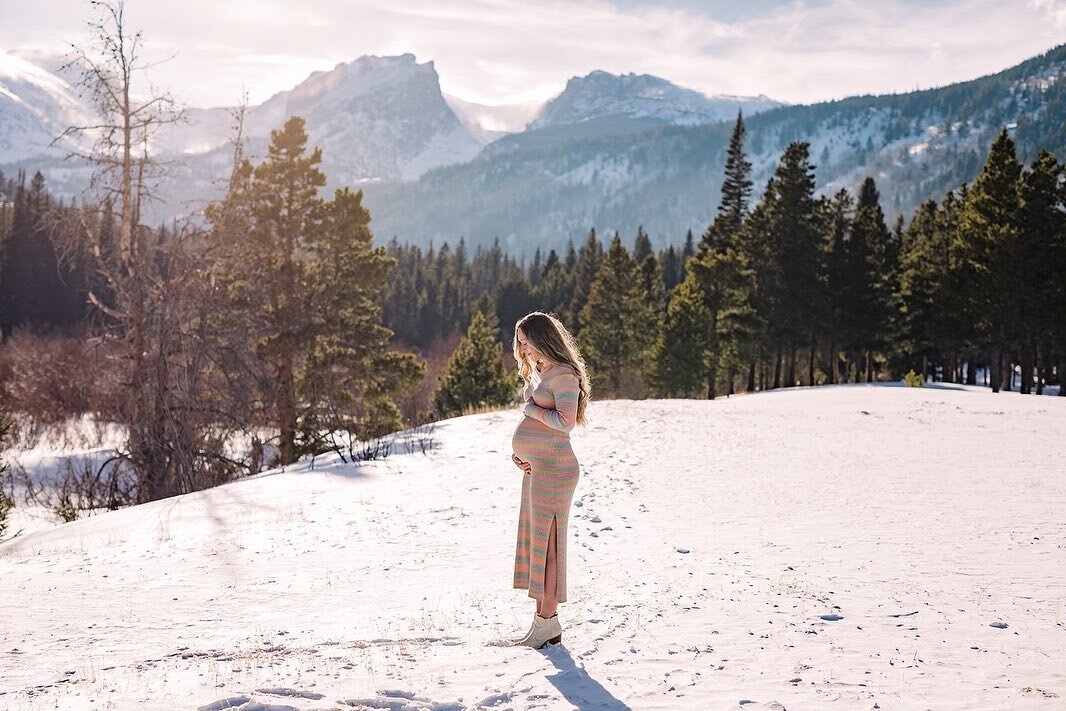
(549, 336)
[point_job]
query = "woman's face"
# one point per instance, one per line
(527, 350)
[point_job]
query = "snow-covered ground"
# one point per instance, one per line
(852, 547)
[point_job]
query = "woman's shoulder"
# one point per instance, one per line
(557, 370)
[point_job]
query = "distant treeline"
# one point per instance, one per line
(798, 290)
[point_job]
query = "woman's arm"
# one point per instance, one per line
(565, 390)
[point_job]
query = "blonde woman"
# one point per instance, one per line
(556, 394)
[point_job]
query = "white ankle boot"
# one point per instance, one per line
(544, 631)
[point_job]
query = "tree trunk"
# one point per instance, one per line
(791, 366)
(995, 369)
(287, 413)
(751, 377)
(1027, 370)
(730, 374)
(810, 364)
(777, 366)
(1061, 372)
(1041, 372)
(971, 370)
(869, 366)
(833, 361)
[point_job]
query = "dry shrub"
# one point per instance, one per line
(49, 379)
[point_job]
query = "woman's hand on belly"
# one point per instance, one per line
(524, 466)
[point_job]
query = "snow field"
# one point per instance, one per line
(857, 547)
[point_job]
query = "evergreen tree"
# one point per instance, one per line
(687, 251)
(714, 301)
(793, 276)
(514, 299)
(837, 218)
(1040, 289)
(641, 246)
(589, 259)
(349, 379)
(988, 229)
(300, 274)
(36, 286)
(615, 319)
(678, 360)
(554, 289)
(476, 375)
(671, 268)
(653, 292)
(869, 285)
(736, 194)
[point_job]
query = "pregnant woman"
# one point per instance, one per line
(556, 393)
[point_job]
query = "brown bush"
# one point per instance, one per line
(49, 379)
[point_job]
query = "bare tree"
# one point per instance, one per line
(153, 295)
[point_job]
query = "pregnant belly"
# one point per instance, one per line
(533, 440)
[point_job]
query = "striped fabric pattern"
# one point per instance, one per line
(542, 438)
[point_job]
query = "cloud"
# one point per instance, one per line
(1056, 9)
(496, 51)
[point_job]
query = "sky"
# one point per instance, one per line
(514, 51)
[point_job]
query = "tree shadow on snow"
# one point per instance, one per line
(577, 687)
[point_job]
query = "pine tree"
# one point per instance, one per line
(792, 276)
(687, 251)
(671, 267)
(514, 299)
(589, 259)
(36, 286)
(869, 254)
(349, 379)
(301, 275)
(1040, 288)
(837, 218)
(713, 300)
(615, 319)
(641, 246)
(988, 227)
(678, 359)
(554, 289)
(476, 375)
(736, 194)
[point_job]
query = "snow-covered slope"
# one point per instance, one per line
(856, 547)
(489, 122)
(641, 96)
(36, 106)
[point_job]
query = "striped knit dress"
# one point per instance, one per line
(542, 438)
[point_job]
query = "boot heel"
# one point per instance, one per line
(556, 639)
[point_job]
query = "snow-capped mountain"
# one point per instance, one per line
(543, 187)
(377, 118)
(642, 97)
(36, 106)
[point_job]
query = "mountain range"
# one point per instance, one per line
(610, 151)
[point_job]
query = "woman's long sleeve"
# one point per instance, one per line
(564, 388)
